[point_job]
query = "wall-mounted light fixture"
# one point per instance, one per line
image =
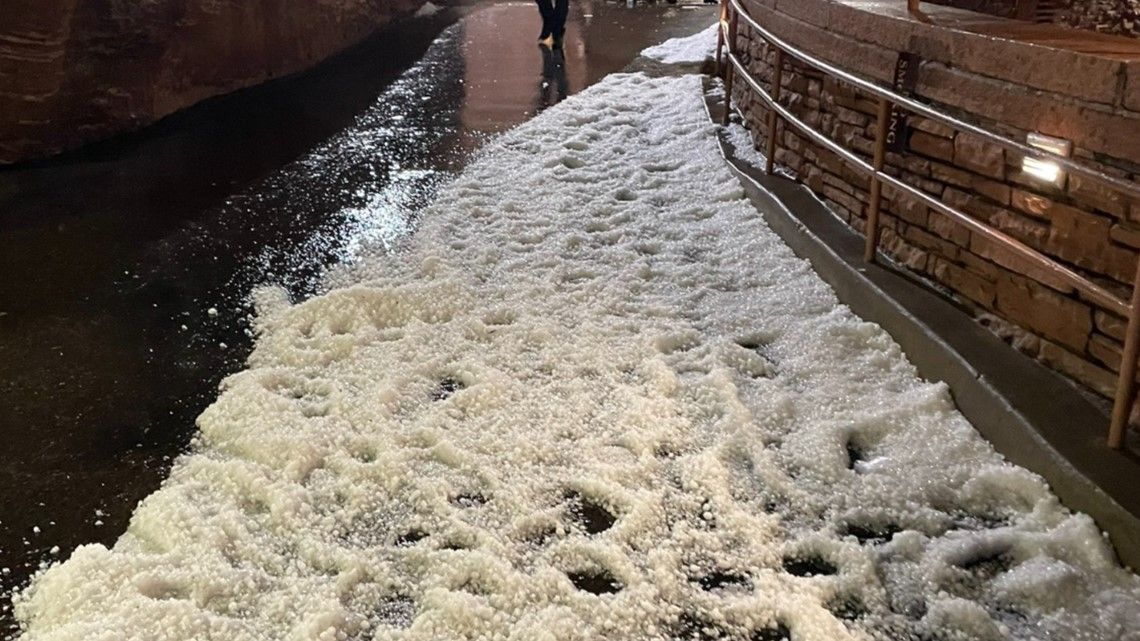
(1047, 171)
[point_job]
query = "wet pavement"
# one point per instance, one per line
(127, 266)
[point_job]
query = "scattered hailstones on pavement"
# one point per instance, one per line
(593, 398)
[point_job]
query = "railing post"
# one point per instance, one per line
(728, 69)
(720, 62)
(773, 118)
(882, 122)
(1126, 384)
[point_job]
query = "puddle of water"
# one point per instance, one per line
(127, 265)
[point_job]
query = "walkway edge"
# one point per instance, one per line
(945, 344)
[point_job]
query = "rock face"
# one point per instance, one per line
(1121, 17)
(75, 71)
(1117, 17)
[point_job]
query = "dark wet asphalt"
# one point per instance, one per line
(125, 268)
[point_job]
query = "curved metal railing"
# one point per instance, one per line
(732, 12)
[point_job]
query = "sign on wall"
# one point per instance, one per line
(904, 82)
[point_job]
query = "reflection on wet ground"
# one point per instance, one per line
(126, 267)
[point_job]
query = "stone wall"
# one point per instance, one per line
(1095, 102)
(74, 71)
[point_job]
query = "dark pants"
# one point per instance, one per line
(553, 16)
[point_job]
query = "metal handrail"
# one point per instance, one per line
(732, 10)
(1068, 164)
(1091, 290)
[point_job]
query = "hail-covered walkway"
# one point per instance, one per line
(593, 397)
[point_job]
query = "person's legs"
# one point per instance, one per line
(546, 9)
(558, 22)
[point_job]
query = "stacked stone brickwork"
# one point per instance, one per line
(1092, 101)
(73, 71)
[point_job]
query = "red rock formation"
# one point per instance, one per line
(75, 71)
(1120, 17)
(1117, 17)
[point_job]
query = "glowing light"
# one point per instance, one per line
(1047, 171)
